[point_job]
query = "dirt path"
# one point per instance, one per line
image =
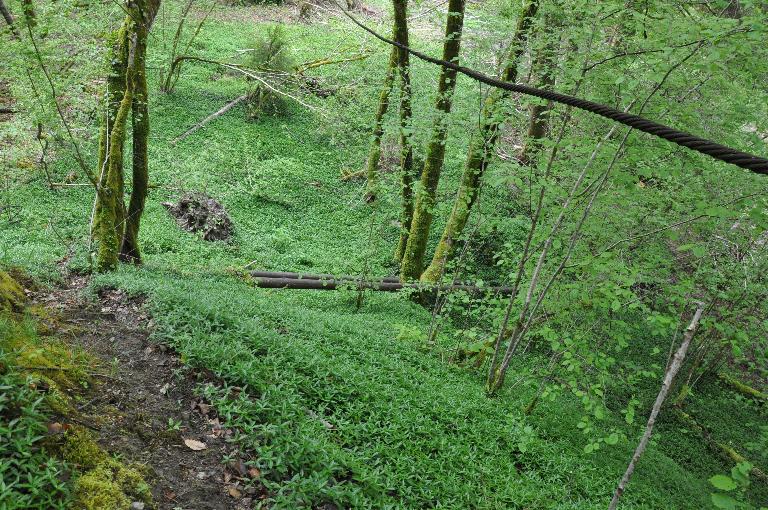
(146, 407)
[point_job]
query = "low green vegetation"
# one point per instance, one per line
(351, 407)
(30, 476)
(45, 464)
(378, 400)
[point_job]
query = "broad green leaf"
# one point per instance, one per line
(724, 501)
(723, 482)
(699, 251)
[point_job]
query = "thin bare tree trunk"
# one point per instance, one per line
(8, 19)
(167, 84)
(669, 375)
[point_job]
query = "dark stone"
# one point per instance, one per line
(197, 212)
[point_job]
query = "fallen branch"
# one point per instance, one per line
(326, 277)
(181, 58)
(247, 72)
(63, 369)
(670, 374)
(744, 389)
(209, 118)
(307, 276)
(720, 448)
(350, 176)
(327, 61)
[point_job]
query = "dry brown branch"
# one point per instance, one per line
(209, 118)
(327, 61)
(351, 176)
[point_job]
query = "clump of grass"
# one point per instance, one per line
(271, 57)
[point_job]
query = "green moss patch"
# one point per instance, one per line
(11, 294)
(104, 482)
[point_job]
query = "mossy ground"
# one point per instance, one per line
(103, 482)
(47, 378)
(11, 294)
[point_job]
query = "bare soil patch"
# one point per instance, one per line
(144, 407)
(6, 101)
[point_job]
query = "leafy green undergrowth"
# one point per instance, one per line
(46, 462)
(339, 405)
(278, 177)
(29, 476)
(339, 409)
(737, 422)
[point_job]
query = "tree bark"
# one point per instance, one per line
(672, 370)
(413, 257)
(116, 230)
(110, 208)
(374, 154)
(481, 149)
(538, 124)
(129, 250)
(406, 148)
(8, 19)
(167, 84)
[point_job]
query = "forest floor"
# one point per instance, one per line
(342, 406)
(146, 406)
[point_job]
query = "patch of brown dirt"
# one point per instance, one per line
(6, 101)
(144, 406)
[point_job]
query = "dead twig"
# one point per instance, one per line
(209, 118)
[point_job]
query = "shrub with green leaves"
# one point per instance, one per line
(730, 494)
(271, 60)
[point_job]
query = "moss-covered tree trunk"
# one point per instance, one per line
(129, 251)
(413, 258)
(116, 230)
(481, 150)
(538, 124)
(406, 148)
(110, 208)
(374, 153)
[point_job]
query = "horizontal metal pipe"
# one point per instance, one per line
(383, 286)
(307, 276)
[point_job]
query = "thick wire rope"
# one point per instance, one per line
(712, 149)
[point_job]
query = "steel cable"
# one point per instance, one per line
(712, 149)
